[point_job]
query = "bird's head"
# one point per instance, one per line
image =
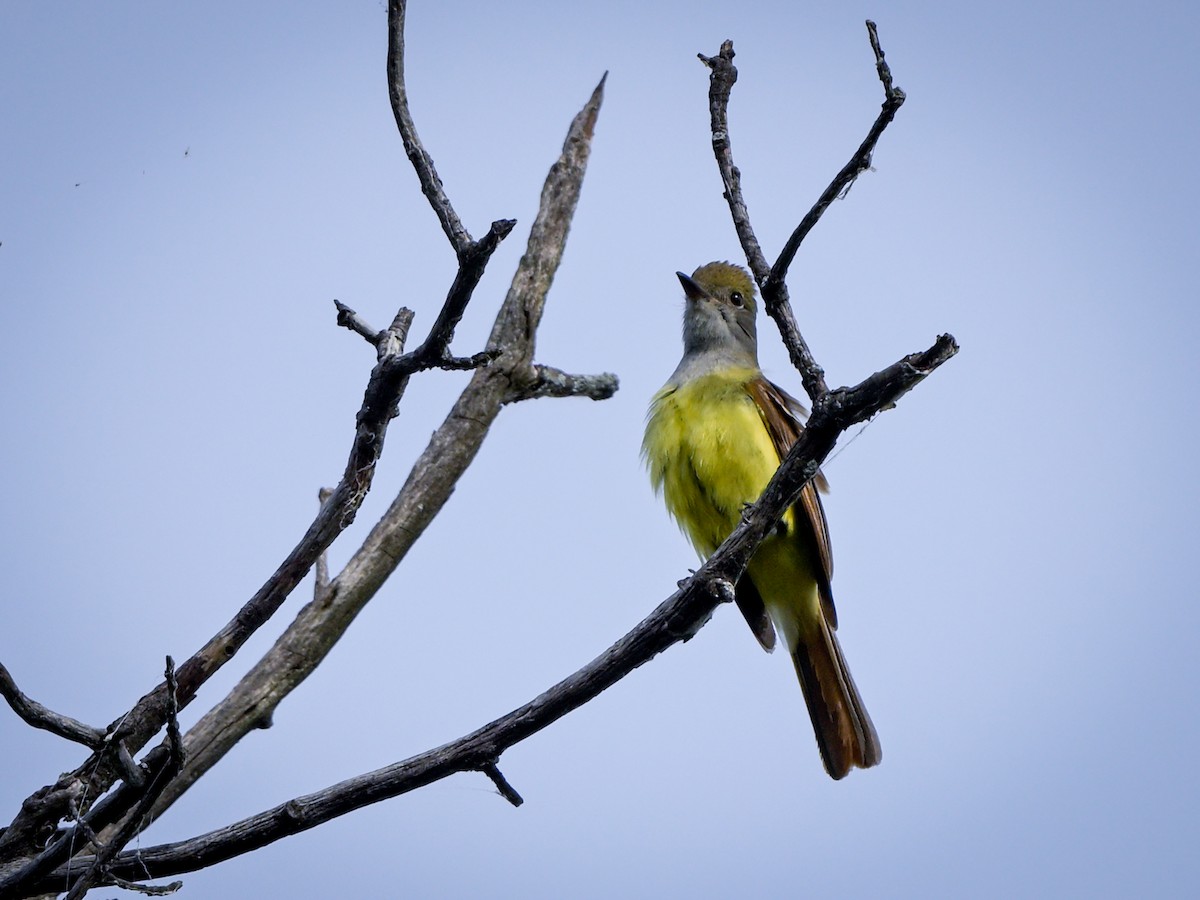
(720, 310)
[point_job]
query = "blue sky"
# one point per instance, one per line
(187, 188)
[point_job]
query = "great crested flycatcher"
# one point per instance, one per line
(715, 435)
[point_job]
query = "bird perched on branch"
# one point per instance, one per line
(715, 435)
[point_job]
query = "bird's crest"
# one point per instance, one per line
(714, 276)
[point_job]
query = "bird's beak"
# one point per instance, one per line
(690, 288)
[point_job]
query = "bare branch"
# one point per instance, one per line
(507, 791)
(348, 318)
(174, 737)
(472, 261)
(675, 619)
(431, 184)
(861, 161)
(387, 383)
(130, 771)
(515, 328)
(105, 852)
(150, 890)
(772, 281)
(885, 74)
(47, 719)
(467, 363)
(550, 382)
(891, 383)
(40, 814)
(721, 78)
(390, 342)
(385, 386)
(321, 573)
(318, 626)
(723, 75)
(505, 373)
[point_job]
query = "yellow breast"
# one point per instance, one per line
(709, 453)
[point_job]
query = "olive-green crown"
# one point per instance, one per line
(716, 275)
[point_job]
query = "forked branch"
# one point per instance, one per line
(771, 279)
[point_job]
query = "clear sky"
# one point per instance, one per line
(188, 186)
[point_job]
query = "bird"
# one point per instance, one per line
(715, 435)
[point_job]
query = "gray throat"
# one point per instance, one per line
(703, 361)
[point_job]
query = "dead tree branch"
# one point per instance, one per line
(513, 376)
(893, 99)
(348, 318)
(676, 619)
(385, 387)
(550, 382)
(431, 184)
(510, 376)
(40, 717)
(97, 870)
(771, 279)
(450, 451)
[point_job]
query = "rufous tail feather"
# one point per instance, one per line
(845, 735)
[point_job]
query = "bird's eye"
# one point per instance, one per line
(736, 299)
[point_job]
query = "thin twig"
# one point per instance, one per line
(861, 161)
(468, 363)
(881, 66)
(150, 890)
(723, 75)
(507, 791)
(47, 719)
(97, 868)
(431, 184)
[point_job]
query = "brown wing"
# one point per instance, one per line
(781, 413)
(750, 602)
